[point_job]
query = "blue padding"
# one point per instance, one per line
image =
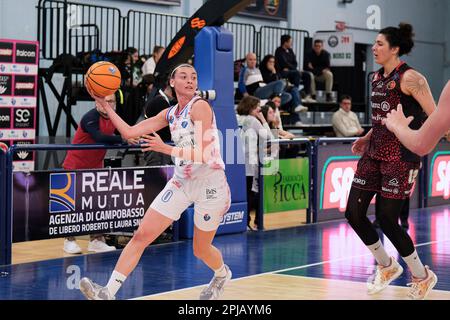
(225, 41)
(235, 221)
(215, 71)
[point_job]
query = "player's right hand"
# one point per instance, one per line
(360, 146)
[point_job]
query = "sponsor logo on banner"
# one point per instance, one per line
(24, 86)
(21, 69)
(440, 175)
(26, 53)
(62, 193)
(23, 118)
(288, 188)
(337, 178)
(17, 134)
(5, 118)
(23, 102)
(232, 218)
(6, 51)
(23, 155)
(5, 85)
(23, 166)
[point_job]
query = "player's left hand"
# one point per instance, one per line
(153, 143)
(396, 119)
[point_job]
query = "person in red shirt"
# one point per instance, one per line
(95, 127)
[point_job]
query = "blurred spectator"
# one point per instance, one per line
(318, 62)
(251, 82)
(270, 74)
(150, 65)
(346, 122)
(294, 117)
(286, 64)
(254, 128)
(165, 98)
(136, 100)
(284, 151)
(95, 127)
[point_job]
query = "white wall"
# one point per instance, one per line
(430, 18)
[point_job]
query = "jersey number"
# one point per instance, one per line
(412, 175)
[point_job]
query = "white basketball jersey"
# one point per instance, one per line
(182, 131)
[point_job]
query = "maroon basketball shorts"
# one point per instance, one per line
(393, 179)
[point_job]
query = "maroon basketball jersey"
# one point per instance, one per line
(386, 95)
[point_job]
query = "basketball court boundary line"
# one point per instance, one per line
(286, 269)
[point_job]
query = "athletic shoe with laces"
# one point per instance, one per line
(215, 288)
(383, 276)
(420, 288)
(93, 291)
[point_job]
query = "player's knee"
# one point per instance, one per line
(200, 250)
(143, 237)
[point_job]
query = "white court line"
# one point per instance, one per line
(284, 270)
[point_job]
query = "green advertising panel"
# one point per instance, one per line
(288, 188)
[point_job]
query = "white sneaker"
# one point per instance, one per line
(99, 246)
(309, 99)
(71, 247)
(215, 288)
(301, 108)
(383, 276)
(93, 291)
(421, 287)
(298, 123)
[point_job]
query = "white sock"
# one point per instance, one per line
(415, 265)
(115, 282)
(380, 254)
(221, 272)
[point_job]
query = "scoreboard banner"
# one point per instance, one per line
(19, 63)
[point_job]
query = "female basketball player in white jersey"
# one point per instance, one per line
(199, 178)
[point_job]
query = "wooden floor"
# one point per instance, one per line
(280, 220)
(31, 251)
(286, 287)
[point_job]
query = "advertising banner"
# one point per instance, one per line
(19, 63)
(335, 176)
(340, 46)
(68, 203)
(438, 182)
(288, 189)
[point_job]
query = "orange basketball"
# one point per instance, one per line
(103, 78)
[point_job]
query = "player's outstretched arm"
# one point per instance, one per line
(422, 141)
(128, 132)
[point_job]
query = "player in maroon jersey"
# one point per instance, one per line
(386, 166)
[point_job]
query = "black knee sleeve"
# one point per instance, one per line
(389, 211)
(356, 214)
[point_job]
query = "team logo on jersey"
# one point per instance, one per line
(171, 118)
(62, 192)
(184, 124)
(167, 195)
(207, 217)
(393, 182)
(391, 85)
(385, 106)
